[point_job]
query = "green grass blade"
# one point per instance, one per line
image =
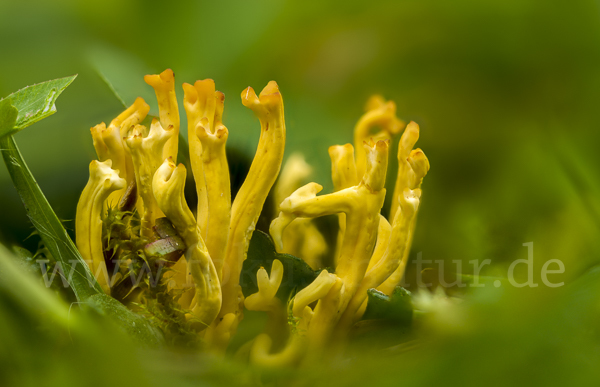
(46, 222)
(123, 73)
(29, 293)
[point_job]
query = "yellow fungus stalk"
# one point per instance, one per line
(168, 185)
(313, 292)
(343, 174)
(194, 112)
(361, 204)
(362, 220)
(294, 172)
(147, 154)
(378, 123)
(108, 142)
(413, 165)
(208, 135)
(302, 238)
(264, 300)
(246, 208)
(382, 267)
(88, 222)
(164, 87)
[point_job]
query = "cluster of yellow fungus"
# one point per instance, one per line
(217, 238)
(370, 251)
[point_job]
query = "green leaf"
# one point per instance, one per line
(47, 224)
(33, 103)
(261, 253)
(397, 307)
(136, 326)
(8, 116)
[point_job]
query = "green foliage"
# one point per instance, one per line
(160, 305)
(499, 88)
(117, 228)
(46, 222)
(124, 245)
(8, 116)
(33, 103)
(53, 234)
(17, 111)
(397, 307)
(136, 326)
(16, 282)
(50, 272)
(261, 253)
(121, 235)
(142, 284)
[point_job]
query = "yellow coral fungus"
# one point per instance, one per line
(268, 107)
(383, 266)
(207, 136)
(168, 184)
(265, 299)
(302, 237)
(205, 252)
(108, 143)
(88, 223)
(413, 165)
(313, 292)
(361, 204)
(164, 87)
(147, 155)
(381, 114)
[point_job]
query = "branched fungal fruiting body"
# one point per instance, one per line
(413, 165)
(203, 288)
(246, 208)
(207, 136)
(88, 223)
(361, 204)
(109, 145)
(379, 114)
(301, 237)
(146, 153)
(168, 185)
(164, 87)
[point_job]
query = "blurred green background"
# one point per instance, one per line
(505, 92)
